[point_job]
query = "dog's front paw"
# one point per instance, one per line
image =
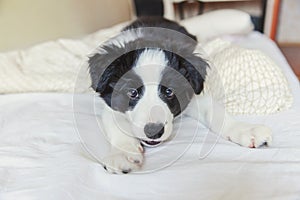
(123, 162)
(250, 135)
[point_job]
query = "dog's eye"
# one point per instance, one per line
(133, 93)
(169, 93)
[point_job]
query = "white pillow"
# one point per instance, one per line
(245, 80)
(220, 22)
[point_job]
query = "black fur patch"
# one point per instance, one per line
(157, 21)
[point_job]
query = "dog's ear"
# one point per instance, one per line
(194, 70)
(107, 68)
(100, 73)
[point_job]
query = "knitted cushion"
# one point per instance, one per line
(246, 81)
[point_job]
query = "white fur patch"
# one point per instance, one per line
(150, 65)
(151, 108)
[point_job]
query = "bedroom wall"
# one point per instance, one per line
(27, 22)
(288, 30)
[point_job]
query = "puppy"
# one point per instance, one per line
(147, 76)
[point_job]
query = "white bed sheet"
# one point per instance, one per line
(42, 157)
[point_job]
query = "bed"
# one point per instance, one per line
(48, 149)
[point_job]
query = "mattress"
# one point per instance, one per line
(50, 148)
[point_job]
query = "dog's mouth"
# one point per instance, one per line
(151, 143)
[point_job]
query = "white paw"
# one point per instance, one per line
(123, 162)
(250, 135)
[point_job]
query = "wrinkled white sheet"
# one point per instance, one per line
(42, 156)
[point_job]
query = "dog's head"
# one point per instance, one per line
(149, 83)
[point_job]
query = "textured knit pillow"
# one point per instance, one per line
(246, 81)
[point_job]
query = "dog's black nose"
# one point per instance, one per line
(154, 130)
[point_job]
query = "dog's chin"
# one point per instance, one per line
(150, 143)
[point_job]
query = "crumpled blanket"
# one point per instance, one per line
(52, 66)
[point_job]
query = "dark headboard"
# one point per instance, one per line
(149, 7)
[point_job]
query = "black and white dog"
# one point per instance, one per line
(148, 75)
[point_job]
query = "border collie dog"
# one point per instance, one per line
(148, 75)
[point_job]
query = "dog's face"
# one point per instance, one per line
(150, 86)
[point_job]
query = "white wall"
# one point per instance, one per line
(27, 22)
(288, 30)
